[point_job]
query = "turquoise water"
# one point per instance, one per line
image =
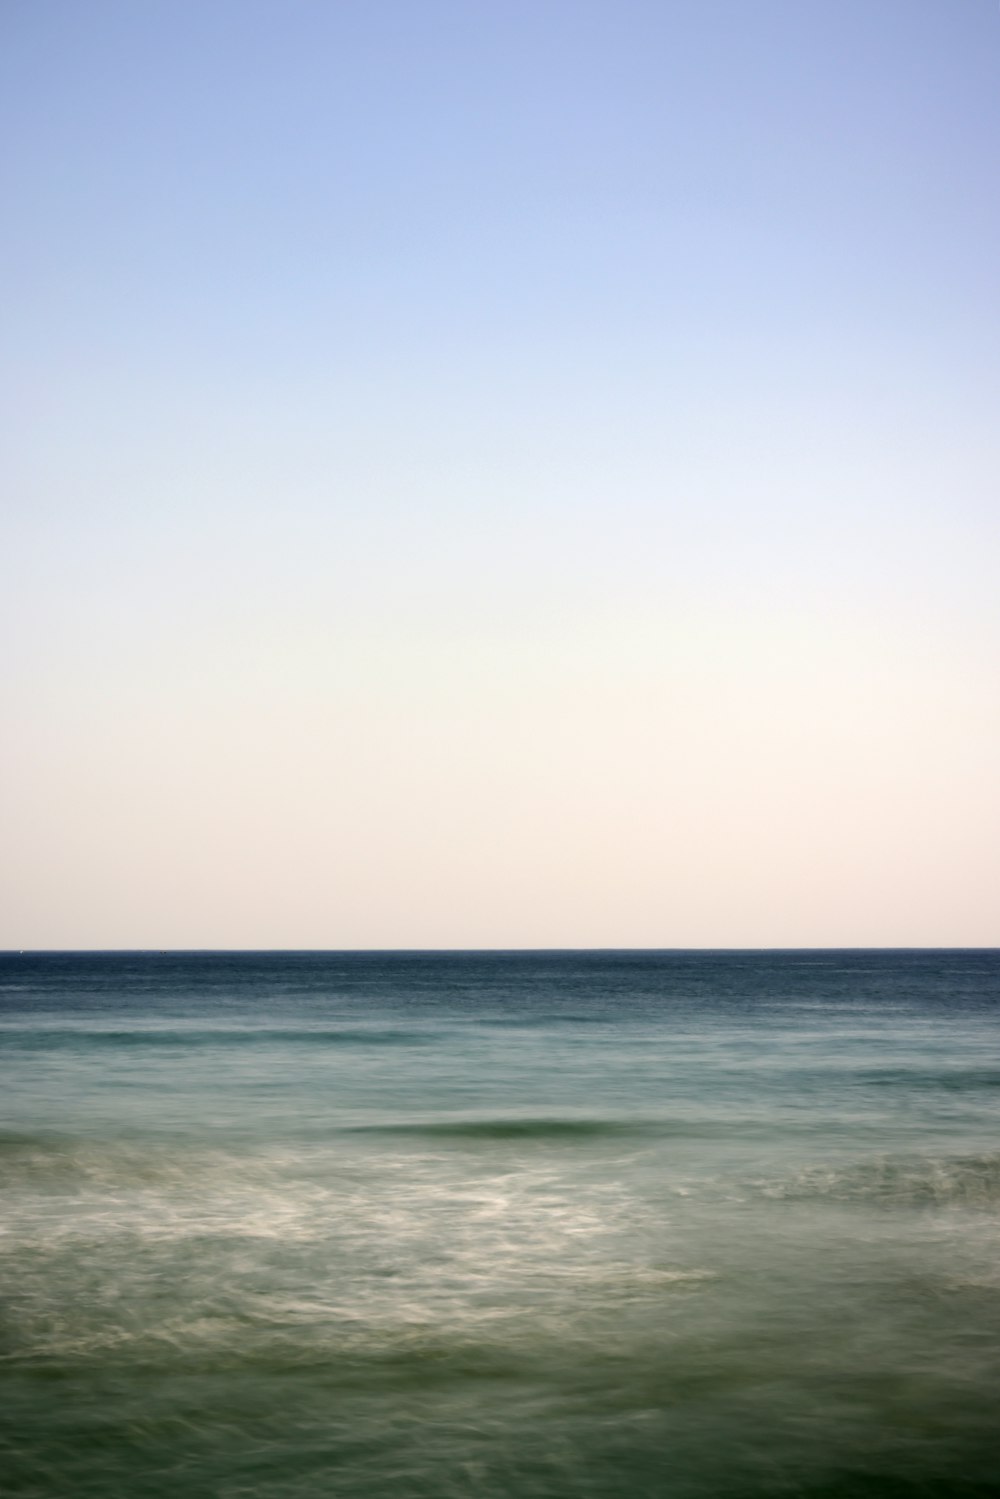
(569, 1224)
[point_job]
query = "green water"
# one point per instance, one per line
(500, 1225)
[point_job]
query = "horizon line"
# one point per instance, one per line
(437, 951)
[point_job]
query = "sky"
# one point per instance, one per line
(500, 474)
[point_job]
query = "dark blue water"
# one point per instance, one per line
(568, 1224)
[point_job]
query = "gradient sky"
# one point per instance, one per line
(500, 474)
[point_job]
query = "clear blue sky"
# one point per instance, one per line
(487, 474)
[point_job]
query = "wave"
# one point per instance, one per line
(945, 1181)
(38, 1038)
(543, 1128)
(958, 1078)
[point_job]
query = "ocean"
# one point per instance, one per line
(608, 1225)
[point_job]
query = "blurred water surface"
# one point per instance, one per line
(500, 1224)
